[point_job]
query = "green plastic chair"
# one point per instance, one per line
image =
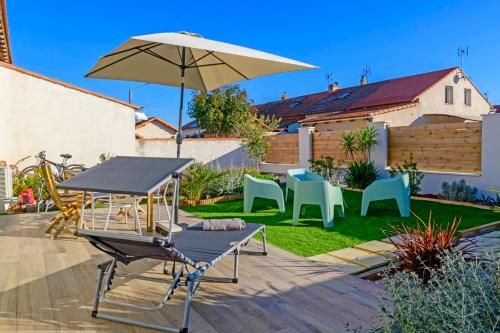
(261, 188)
(391, 188)
(294, 175)
(318, 192)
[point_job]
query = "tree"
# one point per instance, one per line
(222, 111)
(254, 133)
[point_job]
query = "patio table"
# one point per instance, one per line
(138, 176)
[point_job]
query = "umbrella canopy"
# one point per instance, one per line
(207, 64)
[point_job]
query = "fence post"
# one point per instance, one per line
(305, 146)
(490, 148)
(380, 154)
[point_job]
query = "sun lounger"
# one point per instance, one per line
(191, 247)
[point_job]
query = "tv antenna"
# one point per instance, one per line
(462, 52)
(364, 76)
(329, 78)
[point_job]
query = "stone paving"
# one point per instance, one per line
(375, 254)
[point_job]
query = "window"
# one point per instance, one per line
(448, 94)
(467, 97)
(297, 102)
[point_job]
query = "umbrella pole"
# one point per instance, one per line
(179, 143)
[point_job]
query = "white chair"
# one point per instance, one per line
(125, 203)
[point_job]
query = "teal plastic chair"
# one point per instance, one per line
(318, 192)
(294, 175)
(261, 188)
(391, 188)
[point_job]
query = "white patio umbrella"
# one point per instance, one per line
(187, 60)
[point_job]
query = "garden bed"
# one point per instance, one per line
(208, 201)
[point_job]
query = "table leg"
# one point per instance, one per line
(149, 214)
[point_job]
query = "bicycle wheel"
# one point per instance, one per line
(29, 171)
(76, 167)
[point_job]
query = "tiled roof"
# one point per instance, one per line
(497, 108)
(5, 52)
(192, 124)
(354, 99)
(155, 120)
(65, 84)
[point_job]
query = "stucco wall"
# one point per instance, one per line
(219, 153)
(36, 114)
(432, 101)
(156, 131)
(340, 125)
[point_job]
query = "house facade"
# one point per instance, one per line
(154, 128)
(441, 96)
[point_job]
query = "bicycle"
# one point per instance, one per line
(59, 174)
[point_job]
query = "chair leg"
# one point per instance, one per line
(110, 206)
(364, 207)
(403, 207)
(55, 221)
(248, 203)
(281, 204)
(296, 211)
(327, 216)
(340, 210)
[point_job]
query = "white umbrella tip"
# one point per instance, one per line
(192, 34)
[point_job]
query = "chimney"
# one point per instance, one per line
(363, 80)
(333, 86)
(284, 96)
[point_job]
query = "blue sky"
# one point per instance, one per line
(63, 39)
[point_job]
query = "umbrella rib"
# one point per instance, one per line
(156, 55)
(139, 50)
(132, 48)
(228, 65)
(196, 60)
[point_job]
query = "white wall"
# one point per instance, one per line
(155, 130)
(214, 151)
(37, 114)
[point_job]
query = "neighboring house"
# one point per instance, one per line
(441, 96)
(41, 113)
(154, 128)
(191, 129)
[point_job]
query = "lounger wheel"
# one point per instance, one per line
(183, 330)
(234, 280)
(94, 314)
(264, 253)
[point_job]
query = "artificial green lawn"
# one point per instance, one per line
(309, 238)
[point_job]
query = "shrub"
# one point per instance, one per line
(409, 167)
(229, 182)
(419, 249)
(33, 181)
(360, 174)
(458, 191)
(196, 181)
(327, 167)
(461, 296)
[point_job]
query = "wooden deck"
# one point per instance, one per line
(48, 286)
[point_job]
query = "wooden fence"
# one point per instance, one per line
(329, 143)
(440, 147)
(284, 149)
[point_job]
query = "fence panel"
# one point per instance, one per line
(328, 143)
(284, 149)
(452, 147)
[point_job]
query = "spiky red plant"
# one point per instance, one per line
(420, 248)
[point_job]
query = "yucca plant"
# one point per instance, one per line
(360, 174)
(197, 179)
(366, 140)
(349, 144)
(419, 249)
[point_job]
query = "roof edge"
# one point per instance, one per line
(156, 119)
(67, 85)
(6, 30)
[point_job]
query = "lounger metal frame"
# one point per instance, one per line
(107, 272)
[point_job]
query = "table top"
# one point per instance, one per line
(127, 175)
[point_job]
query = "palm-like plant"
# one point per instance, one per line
(366, 140)
(349, 144)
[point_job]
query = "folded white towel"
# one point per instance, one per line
(223, 224)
